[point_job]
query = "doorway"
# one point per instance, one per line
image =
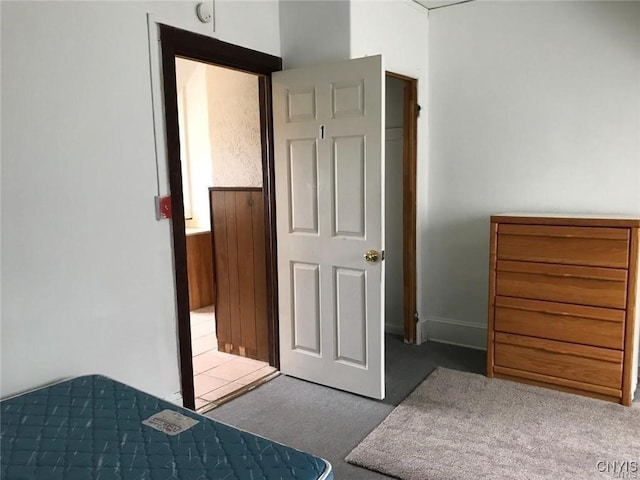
(178, 43)
(401, 316)
(222, 179)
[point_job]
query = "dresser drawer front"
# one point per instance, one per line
(592, 365)
(599, 247)
(599, 287)
(600, 327)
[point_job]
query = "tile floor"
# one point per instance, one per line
(217, 374)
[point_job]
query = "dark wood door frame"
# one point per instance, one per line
(180, 43)
(409, 204)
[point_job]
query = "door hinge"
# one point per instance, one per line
(418, 109)
(416, 317)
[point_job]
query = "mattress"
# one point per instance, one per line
(95, 428)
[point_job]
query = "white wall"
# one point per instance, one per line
(195, 142)
(398, 29)
(322, 31)
(314, 31)
(87, 275)
(534, 106)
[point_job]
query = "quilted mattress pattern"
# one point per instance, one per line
(91, 428)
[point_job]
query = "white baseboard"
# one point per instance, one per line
(421, 331)
(455, 332)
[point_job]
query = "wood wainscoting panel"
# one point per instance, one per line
(260, 276)
(246, 286)
(239, 251)
(230, 218)
(221, 272)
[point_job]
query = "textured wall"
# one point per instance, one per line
(234, 122)
(221, 131)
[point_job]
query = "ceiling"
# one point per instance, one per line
(439, 3)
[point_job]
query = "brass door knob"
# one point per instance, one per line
(372, 256)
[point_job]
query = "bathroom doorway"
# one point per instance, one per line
(222, 177)
(221, 166)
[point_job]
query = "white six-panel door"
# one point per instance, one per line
(329, 147)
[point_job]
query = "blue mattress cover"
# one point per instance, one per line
(91, 428)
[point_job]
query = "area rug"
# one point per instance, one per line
(458, 425)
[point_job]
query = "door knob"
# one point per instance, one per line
(372, 256)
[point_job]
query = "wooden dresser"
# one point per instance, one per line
(563, 309)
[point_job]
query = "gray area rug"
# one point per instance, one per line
(466, 426)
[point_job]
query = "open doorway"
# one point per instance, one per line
(401, 111)
(178, 43)
(192, 214)
(222, 179)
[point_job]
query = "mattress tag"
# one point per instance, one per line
(170, 422)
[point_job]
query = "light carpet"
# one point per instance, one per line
(466, 426)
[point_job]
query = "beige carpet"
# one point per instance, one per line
(458, 425)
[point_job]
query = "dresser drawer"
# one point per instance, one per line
(599, 287)
(592, 365)
(590, 246)
(600, 327)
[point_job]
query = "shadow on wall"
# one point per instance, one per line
(459, 251)
(314, 32)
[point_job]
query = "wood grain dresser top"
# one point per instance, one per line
(592, 220)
